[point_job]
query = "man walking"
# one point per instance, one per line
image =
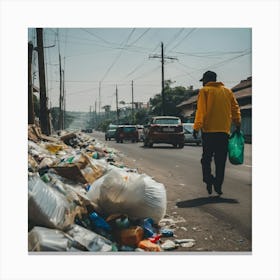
(217, 108)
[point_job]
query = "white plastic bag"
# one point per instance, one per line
(136, 195)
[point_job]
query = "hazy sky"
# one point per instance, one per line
(116, 56)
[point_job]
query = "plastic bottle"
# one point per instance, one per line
(166, 232)
(155, 238)
(148, 227)
(122, 222)
(99, 222)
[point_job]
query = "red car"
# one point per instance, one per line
(164, 129)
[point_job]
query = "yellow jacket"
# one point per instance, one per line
(217, 108)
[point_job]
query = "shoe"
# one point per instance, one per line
(218, 190)
(209, 188)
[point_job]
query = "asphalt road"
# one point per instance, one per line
(180, 171)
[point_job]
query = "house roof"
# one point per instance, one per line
(243, 84)
(246, 107)
(188, 112)
(191, 100)
(243, 93)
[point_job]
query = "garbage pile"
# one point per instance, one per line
(81, 198)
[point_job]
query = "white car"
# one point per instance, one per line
(188, 133)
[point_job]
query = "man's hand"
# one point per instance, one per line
(195, 134)
(237, 129)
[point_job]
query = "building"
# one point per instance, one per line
(188, 107)
(243, 94)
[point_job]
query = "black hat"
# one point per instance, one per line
(209, 76)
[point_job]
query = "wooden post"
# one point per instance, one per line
(31, 117)
(43, 96)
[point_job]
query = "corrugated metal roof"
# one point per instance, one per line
(188, 112)
(243, 84)
(243, 93)
(245, 107)
(191, 100)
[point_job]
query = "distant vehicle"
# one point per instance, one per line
(164, 129)
(110, 132)
(188, 134)
(127, 132)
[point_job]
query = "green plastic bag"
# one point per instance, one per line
(236, 148)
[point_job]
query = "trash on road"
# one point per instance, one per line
(82, 198)
(169, 245)
(136, 195)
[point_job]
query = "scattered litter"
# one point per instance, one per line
(187, 244)
(149, 246)
(169, 245)
(166, 232)
(184, 228)
(180, 241)
(82, 198)
(196, 229)
(136, 195)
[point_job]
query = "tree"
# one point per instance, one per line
(141, 116)
(55, 117)
(173, 97)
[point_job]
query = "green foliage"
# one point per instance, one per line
(141, 116)
(104, 125)
(173, 97)
(55, 117)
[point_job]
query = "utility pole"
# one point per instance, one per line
(99, 100)
(162, 57)
(89, 116)
(162, 80)
(132, 102)
(117, 107)
(95, 114)
(60, 117)
(64, 100)
(31, 118)
(43, 97)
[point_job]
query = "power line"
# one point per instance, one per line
(174, 37)
(221, 63)
(146, 73)
(140, 65)
(118, 56)
(184, 38)
(214, 54)
(136, 68)
(96, 36)
(140, 36)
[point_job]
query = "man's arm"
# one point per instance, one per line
(200, 111)
(235, 113)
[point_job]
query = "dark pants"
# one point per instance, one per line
(214, 144)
